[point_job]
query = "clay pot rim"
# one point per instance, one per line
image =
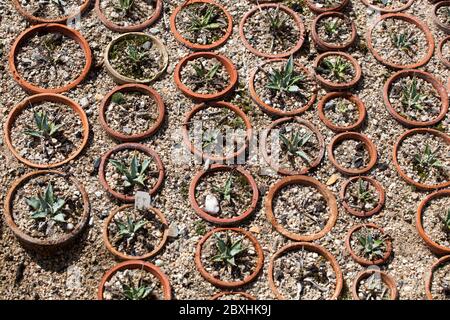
(217, 220)
(434, 17)
(317, 10)
(323, 45)
(274, 111)
(124, 256)
(62, 19)
(387, 280)
(228, 284)
(310, 246)
(131, 146)
(137, 264)
(395, 152)
(445, 61)
(246, 295)
(196, 46)
(338, 86)
(17, 110)
(384, 10)
(49, 28)
(131, 87)
(219, 104)
(227, 64)
(370, 147)
(121, 79)
(47, 244)
(434, 246)
(426, 77)
(137, 27)
(305, 123)
(410, 19)
(346, 95)
(429, 275)
(291, 13)
(308, 181)
(363, 261)
(362, 213)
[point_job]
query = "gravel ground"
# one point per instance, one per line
(75, 273)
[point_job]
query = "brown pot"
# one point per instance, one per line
(271, 110)
(309, 247)
(435, 247)
(444, 60)
(408, 18)
(437, 22)
(133, 146)
(349, 96)
(363, 261)
(35, 20)
(231, 69)
(325, 46)
(222, 283)
(425, 76)
(221, 104)
(404, 176)
(429, 275)
(196, 46)
(387, 279)
(131, 28)
(308, 181)
(317, 10)
(362, 213)
(217, 220)
(124, 256)
(354, 136)
(45, 246)
(328, 85)
(49, 27)
(263, 141)
(386, 10)
(137, 264)
(245, 295)
(292, 13)
(132, 88)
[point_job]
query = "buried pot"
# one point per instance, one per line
(374, 275)
(228, 295)
(443, 51)
(441, 266)
(318, 6)
(439, 10)
(328, 38)
(382, 8)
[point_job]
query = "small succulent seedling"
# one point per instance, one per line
(375, 288)
(47, 205)
(209, 138)
(118, 98)
(426, 160)
(277, 22)
(129, 228)
(404, 40)
(125, 5)
(372, 248)
(205, 74)
(206, 18)
(363, 193)
(135, 173)
(228, 250)
(226, 190)
(332, 27)
(337, 68)
(295, 143)
(200, 227)
(45, 128)
(136, 54)
(136, 293)
(412, 97)
(285, 79)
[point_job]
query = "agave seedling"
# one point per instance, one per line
(373, 247)
(277, 22)
(285, 79)
(228, 250)
(206, 18)
(332, 27)
(404, 40)
(375, 288)
(203, 74)
(337, 68)
(227, 189)
(130, 227)
(118, 98)
(125, 5)
(136, 293)
(135, 173)
(295, 143)
(45, 128)
(209, 138)
(47, 206)
(426, 160)
(411, 95)
(363, 193)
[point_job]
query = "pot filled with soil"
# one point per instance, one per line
(46, 130)
(374, 285)
(232, 295)
(321, 6)
(388, 6)
(333, 31)
(223, 195)
(132, 112)
(201, 24)
(437, 285)
(301, 208)
(49, 58)
(443, 51)
(229, 257)
(441, 15)
(337, 70)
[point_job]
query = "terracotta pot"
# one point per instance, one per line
(425, 76)
(195, 46)
(263, 146)
(363, 261)
(353, 136)
(245, 295)
(132, 88)
(386, 10)
(132, 146)
(315, 9)
(309, 247)
(124, 256)
(346, 95)
(292, 13)
(137, 27)
(362, 213)
(410, 19)
(404, 176)
(329, 85)
(435, 247)
(307, 181)
(271, 110)
(217, 220)
(121, 79)
(137, 264)
(45, 246)
(437, 22)
(387, 279)
(35, 20)
(429, 275)
(222, 283)
(325, 46)
(49, 28)
(231, 70)
(440, 55)
(220, 104)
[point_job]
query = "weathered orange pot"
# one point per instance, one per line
(325, 46)
(429, 275)
(440, 55)
(435, 18)
(387, 279)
